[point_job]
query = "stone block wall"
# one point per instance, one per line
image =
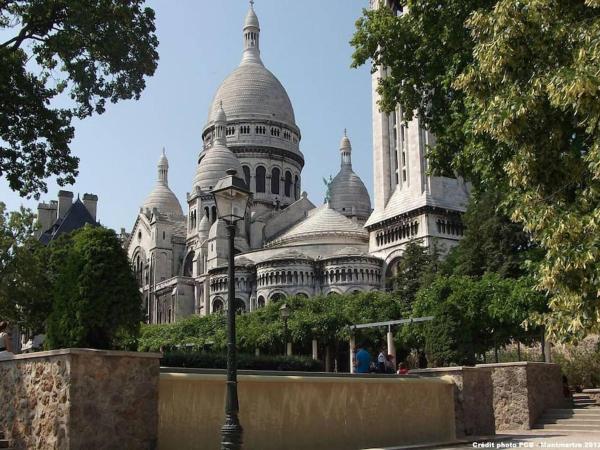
(80, 399)
(473, 398)
(496, 397)
(522, 391)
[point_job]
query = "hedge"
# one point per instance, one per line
(210, 360)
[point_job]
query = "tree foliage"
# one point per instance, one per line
(96, 301)
(534, 89)
(325, 318)
(510, 89)
(416, 267)
(24, 294)
(473, 315)
(492, 243)
(91, 50)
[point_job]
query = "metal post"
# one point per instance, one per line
(231, 431)
(315, 349)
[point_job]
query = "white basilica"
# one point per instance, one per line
(287, 246)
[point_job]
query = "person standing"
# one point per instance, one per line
(362, 360)
(5, 342)
(381, 358)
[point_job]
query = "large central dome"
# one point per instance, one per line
(252, 92)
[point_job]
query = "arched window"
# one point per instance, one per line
(296, 187)
(260, 179)
(288, 184)
(240, 306)
(275, 175)
(217, 305)
(261, 302)
(188, 269)
(247, 175)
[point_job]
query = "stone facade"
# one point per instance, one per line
(491, 398)
(180, 260)
(409, 203)
(473, 398)
(80, 399)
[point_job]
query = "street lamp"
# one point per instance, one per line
(285, 312)
(232, 198)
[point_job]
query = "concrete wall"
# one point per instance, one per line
(473, 398)
(305, 412)
(80, 399)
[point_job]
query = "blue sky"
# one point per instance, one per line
(304, 43)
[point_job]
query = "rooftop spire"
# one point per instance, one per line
(220, 124)
(251, 32)
(163, 169)
(346, 150)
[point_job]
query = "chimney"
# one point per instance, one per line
(65, 200)
(46, 216)
(91, 202)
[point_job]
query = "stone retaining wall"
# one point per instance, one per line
(80, 399)
(523, 391)
(473, 398)
(490, 398)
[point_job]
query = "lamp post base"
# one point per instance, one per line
(231, 433)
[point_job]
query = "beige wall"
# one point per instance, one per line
(80, 399)
(306, 412)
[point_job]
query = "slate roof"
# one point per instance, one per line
(77, 216)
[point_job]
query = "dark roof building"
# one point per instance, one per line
(63, 216)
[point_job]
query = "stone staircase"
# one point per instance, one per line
(584, 416)
(4, 443)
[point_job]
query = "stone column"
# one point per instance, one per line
(315, 349)
(390, 343)
(289, 349)
(352, 352)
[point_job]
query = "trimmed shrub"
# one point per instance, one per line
(210, 360)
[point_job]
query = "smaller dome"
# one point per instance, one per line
(204, 227)
(347, 193)
(213, 165)
(350, 251)
(162, 197)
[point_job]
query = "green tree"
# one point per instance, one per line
(492, 243)
(93, 51)
(473, 315)
(24, 295)
(511, 91)
(96, 301)
(533, 88)
(416, 267)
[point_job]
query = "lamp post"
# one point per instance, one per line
(285, 312)
(232, 198)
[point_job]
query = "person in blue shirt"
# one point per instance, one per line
(362, 360)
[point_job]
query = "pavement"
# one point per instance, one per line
(519, 439)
